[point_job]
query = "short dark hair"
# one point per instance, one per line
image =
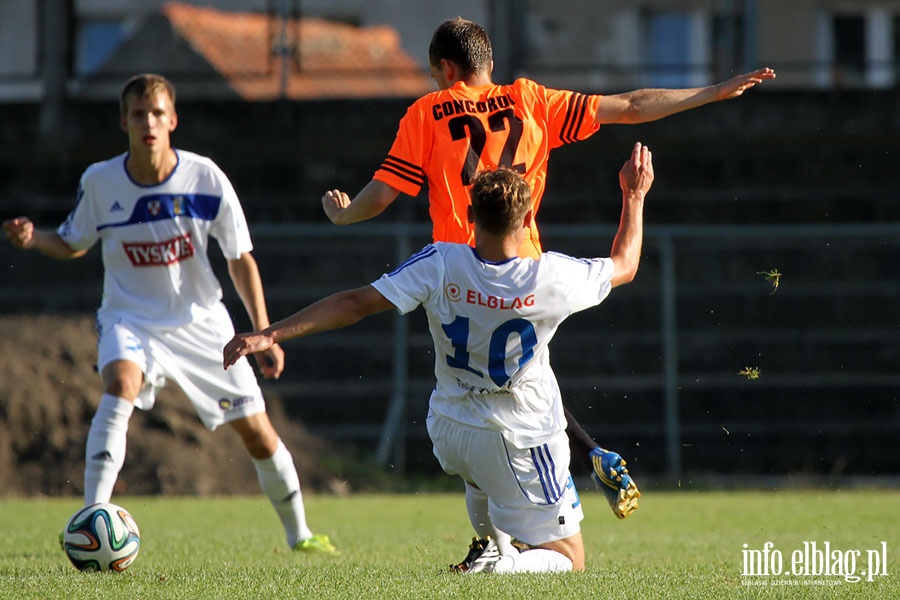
(500, 200)
(144, 85)
(465, 43)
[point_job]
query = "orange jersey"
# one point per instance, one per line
(447, 136)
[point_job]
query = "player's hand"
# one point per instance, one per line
(636, 175)
(734, 87)
(271, 362)
(243, 344)
(19, 232)
(334, 202)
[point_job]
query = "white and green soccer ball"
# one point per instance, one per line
(102, 537)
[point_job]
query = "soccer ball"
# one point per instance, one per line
(102, 537)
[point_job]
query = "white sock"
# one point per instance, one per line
(279, 481)
(104, 452)
(477, 507)
(538, 560)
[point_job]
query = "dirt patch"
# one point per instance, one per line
(49, 392)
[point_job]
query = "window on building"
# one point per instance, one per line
(668, 60)
(728, 45)
(678, 49)
(849, 49)
(895, 50)
(95, 43)
(891, 67)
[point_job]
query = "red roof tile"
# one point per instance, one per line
(334, 60)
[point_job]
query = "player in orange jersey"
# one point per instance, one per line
(472, 124)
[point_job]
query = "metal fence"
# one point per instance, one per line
(738, 349)
(708, 363)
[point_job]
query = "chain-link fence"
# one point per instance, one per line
(751, 351)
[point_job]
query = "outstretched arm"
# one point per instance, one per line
(335, 311)
(641, 106)
(22, 233)
(369, 202)
(635, 179)
(244, 274)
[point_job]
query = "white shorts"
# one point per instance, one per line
(531, 495)
(190, 356)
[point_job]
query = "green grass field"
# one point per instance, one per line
(678, 545)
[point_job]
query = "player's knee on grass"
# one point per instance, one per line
(571, 547)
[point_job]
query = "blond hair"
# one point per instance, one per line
(144, 86)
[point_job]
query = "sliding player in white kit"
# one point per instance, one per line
(154, 210)
(495, 415)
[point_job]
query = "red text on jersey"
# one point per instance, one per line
(167, 252)
(479, 299)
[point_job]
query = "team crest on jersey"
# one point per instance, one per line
(178, 205)
(454, 294)
(154, 207)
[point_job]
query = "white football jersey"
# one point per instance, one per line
(155, 238)
(491, 324)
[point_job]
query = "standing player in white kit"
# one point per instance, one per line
(495, 416)
(153, 210)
